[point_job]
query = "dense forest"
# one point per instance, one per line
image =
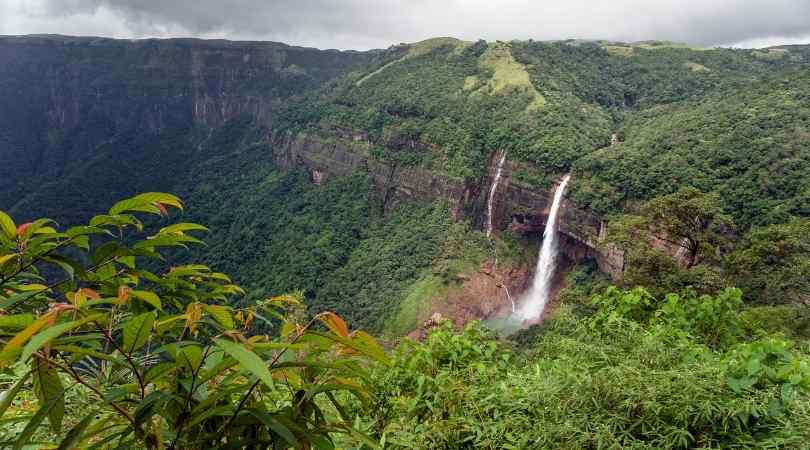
(230, 313)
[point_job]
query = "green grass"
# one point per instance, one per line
(420, 49)
(416, 301)
(508, 74)
(695, 67)
(773, 54)
(616, 50)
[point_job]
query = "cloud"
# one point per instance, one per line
(363, 24)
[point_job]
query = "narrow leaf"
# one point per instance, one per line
(335, 323)
(277, 427)
(8, 396)
(35, 421)
(52, 332)
(75, 434)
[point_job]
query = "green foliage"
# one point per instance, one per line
(691, 220)
(411, 243)
(713, 319)
(158, 357)
(772, 263)
(747, 144)
(622, 385)
(769, 363)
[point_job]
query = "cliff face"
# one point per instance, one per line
(517, 206)
(75, 104)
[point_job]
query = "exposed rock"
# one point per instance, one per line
(518, 206)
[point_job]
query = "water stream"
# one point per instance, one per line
(490, 201)
(534, 301)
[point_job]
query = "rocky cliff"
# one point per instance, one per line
(519, 206)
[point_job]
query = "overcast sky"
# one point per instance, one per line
(364, 24)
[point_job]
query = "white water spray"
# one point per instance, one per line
(490, 202)
(538, 295)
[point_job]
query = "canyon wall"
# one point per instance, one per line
(121, 116)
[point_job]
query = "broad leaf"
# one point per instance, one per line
(7, 225)
(247, 360)
(182, 227)
(48, 387)
(190, 357)
(6, 258)
(221, 314)
(148, 297)
(146, 203)
(137, 330)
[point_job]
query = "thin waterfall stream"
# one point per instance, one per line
(537, 297)
(496, 180)
(490, 201)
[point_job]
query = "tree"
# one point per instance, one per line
(691, 220)
(164, 358)
(772, 263)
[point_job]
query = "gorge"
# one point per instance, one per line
(444, 244)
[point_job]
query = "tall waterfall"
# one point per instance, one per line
(492, 189)
(538, 295)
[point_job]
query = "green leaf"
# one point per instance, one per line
(322, 442)
(75, 433)
(6, 258)
(182, 227)
(45, 410)
(146, 203)
(47, 387)
(68, 265)
(166, 240)
(16, 322)
(221, 314)
(247, 360)
(8, 396)
(137, 330)
(277, 427)
(7, 225)
(148, 297)
(17, 298)
(85, 230)
(190, 357)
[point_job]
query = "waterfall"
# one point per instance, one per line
(492, 189)
(538, 295)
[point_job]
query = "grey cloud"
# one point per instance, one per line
(379, 23)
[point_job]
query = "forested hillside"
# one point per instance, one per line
(339, 191)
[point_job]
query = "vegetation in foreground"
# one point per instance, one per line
(112, 354)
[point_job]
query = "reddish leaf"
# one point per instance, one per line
(162, 209)
(89, 293)
(334, 323)
(123, 293)
(21, 229)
